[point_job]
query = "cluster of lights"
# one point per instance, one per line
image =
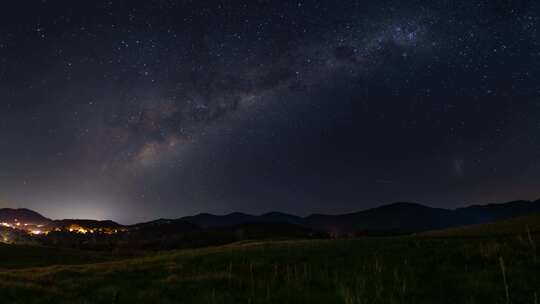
(73, 228)
(28, 227)
(18, 225)
(79, 229)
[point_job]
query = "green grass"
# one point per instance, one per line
(378, 270)
(461, 265)
(27, 256)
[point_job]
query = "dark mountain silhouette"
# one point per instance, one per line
(478, 214)
(280, 217)
(267, 230)
(22, 215)
(206, 220)
(162, 227)
(397, 217)
(85, 223)
(393, 218)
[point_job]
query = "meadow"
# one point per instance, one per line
(497, 268)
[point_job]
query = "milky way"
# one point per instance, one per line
(133, 110)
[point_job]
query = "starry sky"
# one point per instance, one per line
(135, 110)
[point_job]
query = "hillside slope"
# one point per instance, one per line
(397, 218)
(523, 225)
(22, 215)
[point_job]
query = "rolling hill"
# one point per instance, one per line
(206, 220)
(521, 225)
(369, 270)
(93, 224)
(22, 215)
(397, 218)
(393, 218)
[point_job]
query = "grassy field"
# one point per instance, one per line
(413, 269)
(26, 256)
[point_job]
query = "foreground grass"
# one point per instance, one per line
(26, 256)
(389, 270)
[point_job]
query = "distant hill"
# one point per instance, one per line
(161, 227)
(494, 212)
(397, 218)
(280, 217)
(394, 218)
(22, 215)
(411, 217)
(206, 220)
(85, 223)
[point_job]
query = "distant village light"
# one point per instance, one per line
(41, 229)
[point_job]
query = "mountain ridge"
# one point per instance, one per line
(402, 217)
(22, 215)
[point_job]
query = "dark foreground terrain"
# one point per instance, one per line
(476, 264)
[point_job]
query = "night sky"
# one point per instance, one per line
(135, 110)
